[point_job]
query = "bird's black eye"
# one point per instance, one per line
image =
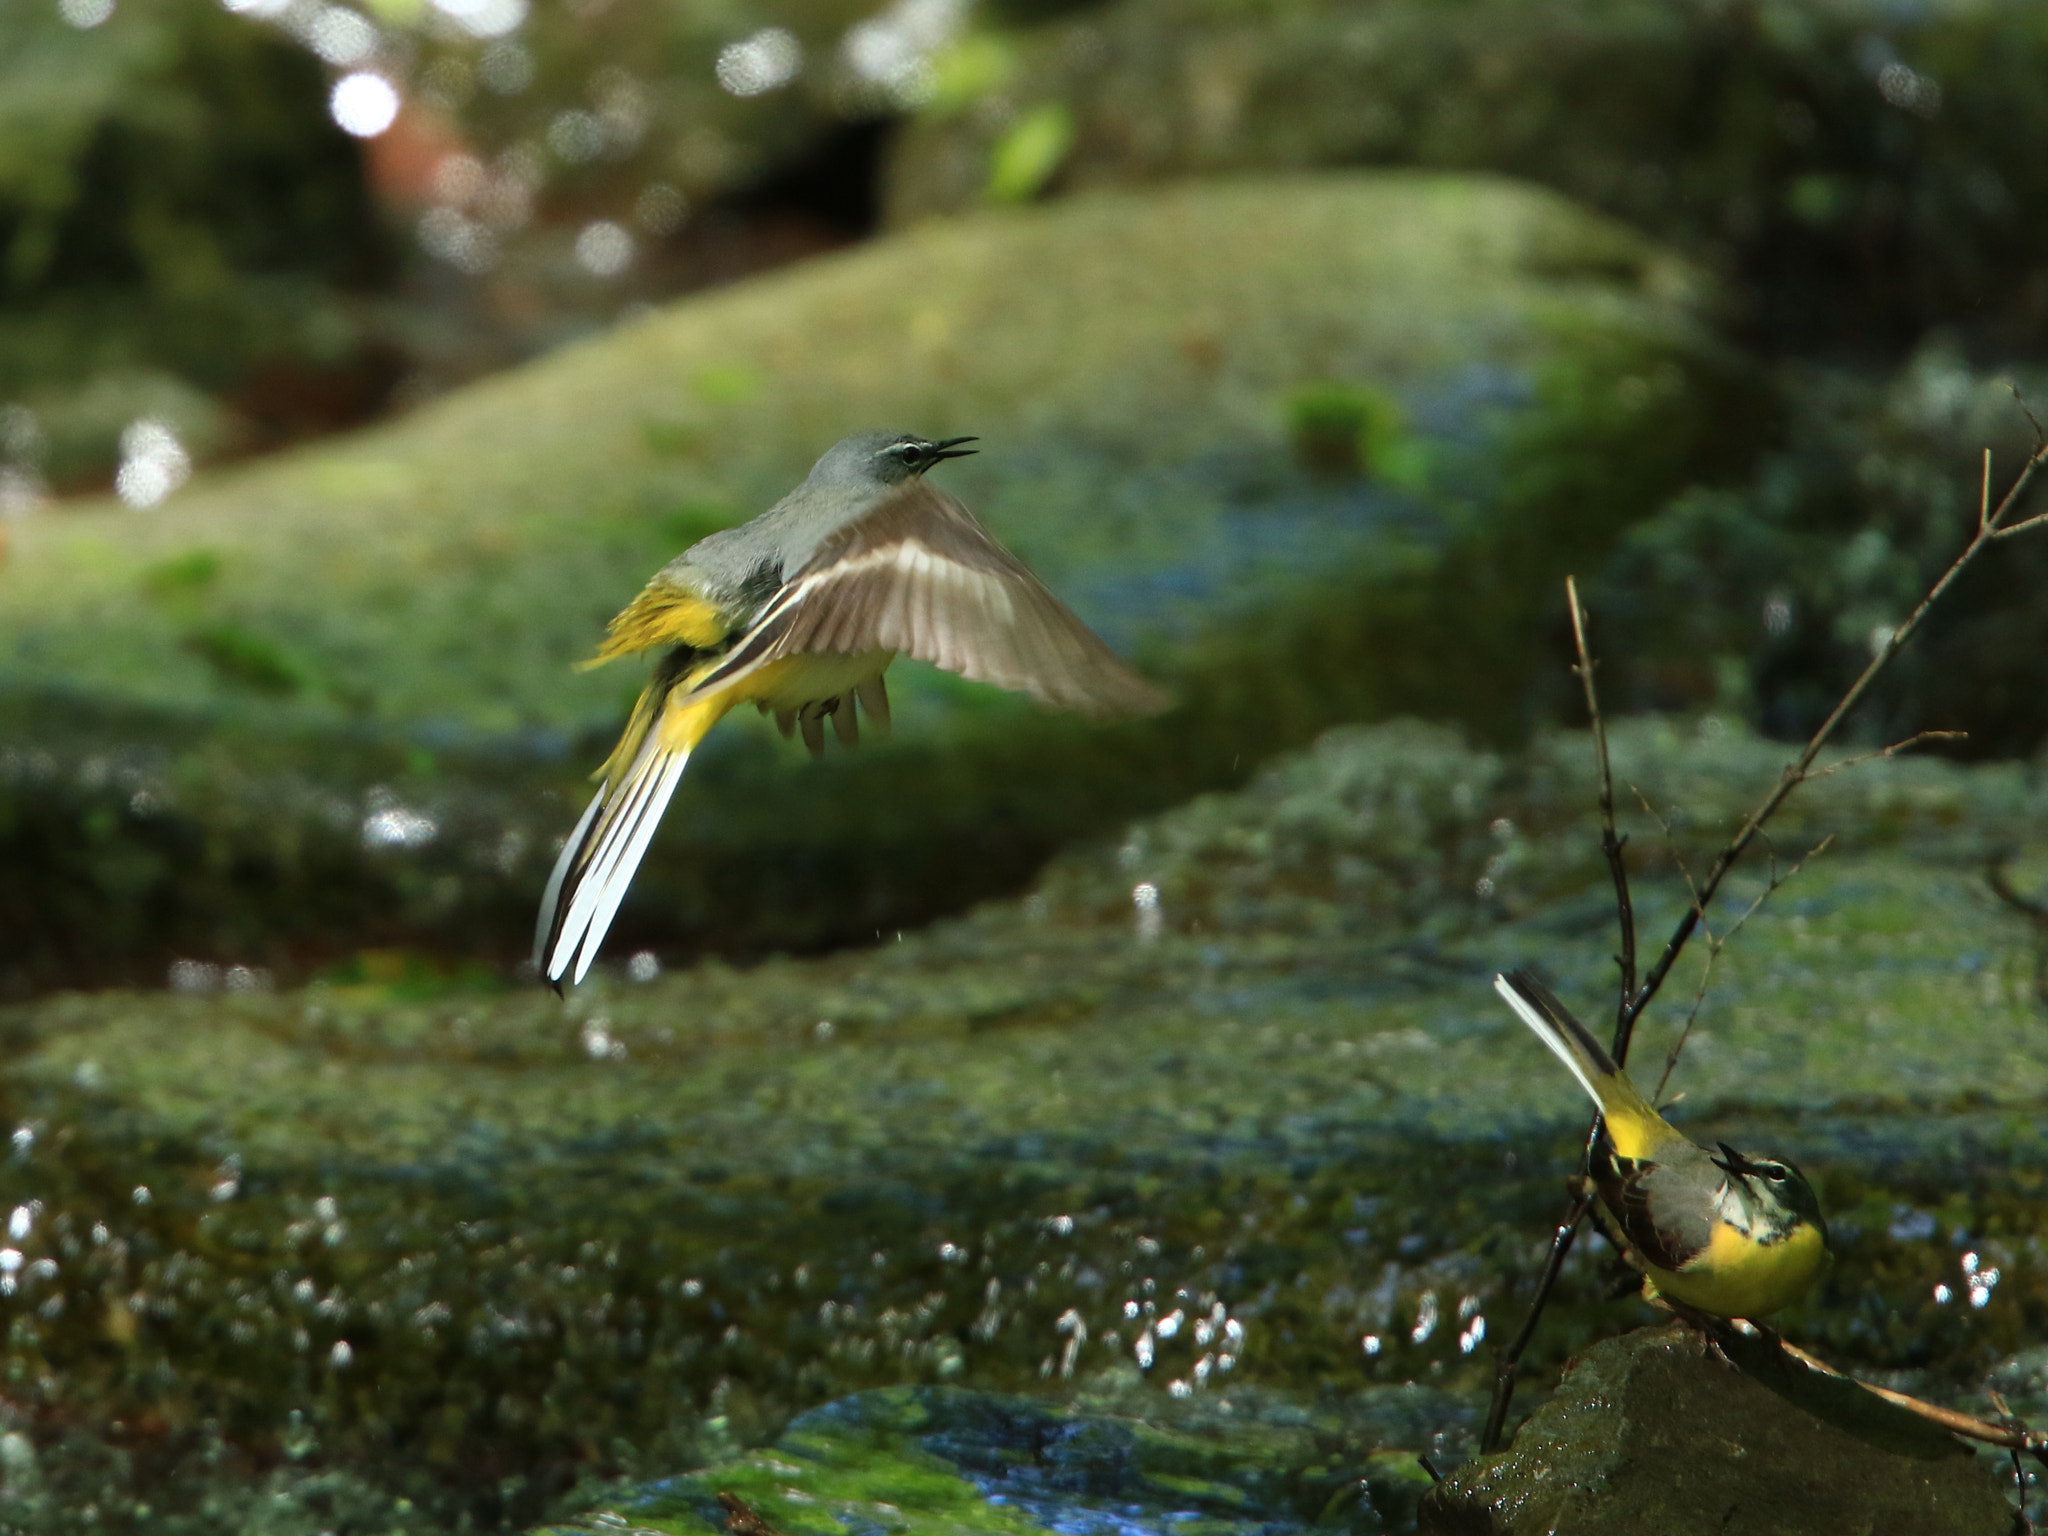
(1772, 1171)
(909, 453)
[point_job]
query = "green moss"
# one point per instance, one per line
(1757, 140)
(599, 1238)
(432, 583)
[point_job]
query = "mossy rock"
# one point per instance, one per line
(939, 1461)
(610, 1241)
(398, 613)
(1659, 1431)
(1786, 143)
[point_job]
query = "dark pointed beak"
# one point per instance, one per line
(1732, 1162)
(950, 448)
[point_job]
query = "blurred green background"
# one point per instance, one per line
(356, 363)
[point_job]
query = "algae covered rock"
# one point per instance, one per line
(1862, 170)
(932, 1460)
(327, 701)
(1223, 1112)
(1650, 1432)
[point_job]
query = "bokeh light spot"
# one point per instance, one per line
(765, 61)
(363, 104)
(153, 463)
(603, 249)
(485, 18)
(340, 36)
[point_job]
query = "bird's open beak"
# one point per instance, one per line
(1733, 1163)
(950, 448)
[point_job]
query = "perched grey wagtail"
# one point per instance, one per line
(1729, 1235)
(800, 612)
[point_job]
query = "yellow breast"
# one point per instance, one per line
(1737, 1276)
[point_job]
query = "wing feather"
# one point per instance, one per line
(920, 576)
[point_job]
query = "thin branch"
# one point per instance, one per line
(2002, 887)
(2020, 400)
(1984, 495)
(1800, 769)
(1714, 948)
(2022, 526)
(1510, 1356)
(1699, 997)
(1610, 844)
(1893, 750)
(2034, 911)
(1677, 858)
(2015, 1437)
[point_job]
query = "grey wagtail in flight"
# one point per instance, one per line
(800, 612)
(1730, 1235)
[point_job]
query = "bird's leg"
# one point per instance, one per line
(1715, 1332)
(874, 698)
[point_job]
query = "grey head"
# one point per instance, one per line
(883, 458)
(747, 562)
(1770, 1192)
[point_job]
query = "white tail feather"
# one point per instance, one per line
(550, 899)
(621, 874)
(1550, 1035)
(607, 869)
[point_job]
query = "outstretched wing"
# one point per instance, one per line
(920, 576)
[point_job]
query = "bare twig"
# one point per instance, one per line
(1510, 1356)
(2022, 526)
(1714, 948)
(1610, 844)
(2020, 400)
(2015, 1437)
(1800, 769)
(2028, 907)
(1677, 858)
(1914, 740)
(1984, 494)
(2034, 910)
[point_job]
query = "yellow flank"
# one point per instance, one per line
(686, 717)
(1737, 1276)
(661, 615)
(799, 680)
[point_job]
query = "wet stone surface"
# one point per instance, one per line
(1651, 1432)
(1109, 1463)
(1223, 1106)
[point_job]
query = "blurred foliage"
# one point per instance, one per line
(627, 1234)
(1767, 598)
(184, 235)
(1861, 170)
